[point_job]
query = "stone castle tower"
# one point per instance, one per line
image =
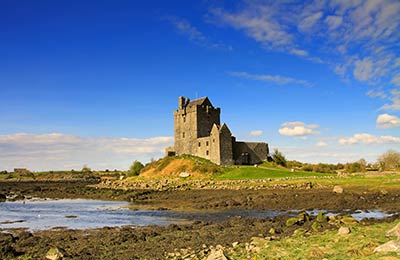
(198, 131)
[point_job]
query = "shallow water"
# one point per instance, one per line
(42, 214)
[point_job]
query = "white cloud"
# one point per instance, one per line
(299, 52)
(271, 78)
(321, 144)
(308, 23)
(256, 133)
(184, 27)
(60, 151)
(396, 79)
(259, 23)
(394, 99)
(365, 138)
(363, 69)
(387, 121)
(376, 94)
(333, 21)
(298, 129)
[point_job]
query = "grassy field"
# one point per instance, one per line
(261, 172)
(359, 244)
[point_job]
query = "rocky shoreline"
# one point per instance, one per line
(198, 240)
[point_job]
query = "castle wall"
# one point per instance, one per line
(202, 147)
(226, 146)
(249, 152)
(185, 133)
(207, 116)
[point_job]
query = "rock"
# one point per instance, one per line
(291, 221)
(272, 231)
(184, 174)
(343, 231)
(394, 232)
(235, 244)
(321, 218)
(303, 217)
(54, 254)
(337, 189)
(217, 255)
(3, 197)
(391, 246)
(316, 226)
(348, 220)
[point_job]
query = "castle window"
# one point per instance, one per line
(184, 119)
(213, 140)
(207, 152)
(206, 143)
(199, 144)
(183, 135)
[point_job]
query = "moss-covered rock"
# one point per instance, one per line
(322, 218)
(291, 221)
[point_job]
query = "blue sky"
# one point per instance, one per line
(95, 82)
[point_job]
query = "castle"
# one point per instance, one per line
(198, 131)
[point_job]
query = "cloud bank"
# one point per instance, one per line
(365, 138)
(57, 151)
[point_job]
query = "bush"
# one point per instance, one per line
(279, 158)
(86, 169)
(389, 160)
(135, 168)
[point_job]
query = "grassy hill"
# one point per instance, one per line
(202, 168)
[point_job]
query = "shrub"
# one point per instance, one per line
(135, 168)
(86, 169)
(279, 158)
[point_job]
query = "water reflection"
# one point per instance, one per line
(83, 214)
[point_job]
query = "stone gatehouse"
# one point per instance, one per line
(198, 131)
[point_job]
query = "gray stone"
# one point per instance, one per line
(184, 174)
(217, 255)
(337, 189)
(343, 231)
(54, 254)
(391, 246)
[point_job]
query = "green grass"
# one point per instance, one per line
(359, 244)
(251, 172)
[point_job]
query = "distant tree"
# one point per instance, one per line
(363, 164)
(86, 169)
(389, 160)
(279, 158)
(359, 166)
(135, 168)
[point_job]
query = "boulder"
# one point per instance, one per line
(54, 254)
(217, 254)
(394, 232)
(391, 246)
(343, 231)
(337, 189)
(3, 197)
(184, 174)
